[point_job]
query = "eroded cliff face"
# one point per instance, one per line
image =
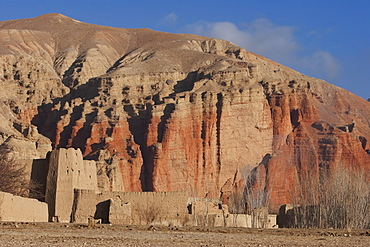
(166, 112)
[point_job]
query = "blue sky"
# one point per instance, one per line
(327, 39)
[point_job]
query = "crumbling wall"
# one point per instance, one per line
(84, 205)
(206, 212)
(158, 208)
(67, 171)
(161, 208)
(120, 212)
(211, 212)
(137, 208)
(206, 205)
(20, 209)
(231, 220)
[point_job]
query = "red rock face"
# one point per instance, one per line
(312, 145)
(27, 116)
(201, 142)
(165, 112)
(107, 142)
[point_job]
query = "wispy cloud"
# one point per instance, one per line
(321, 63)
(168, 20)
(278, 43)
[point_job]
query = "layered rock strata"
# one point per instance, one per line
(172, 112)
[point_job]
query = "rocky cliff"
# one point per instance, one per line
(172, 112)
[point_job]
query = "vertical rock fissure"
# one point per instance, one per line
(218, 135)
(265, 163)
(294, 118)
(138, 125)
(66, 134)
(164, 120)
(204, 138)
(84, 133)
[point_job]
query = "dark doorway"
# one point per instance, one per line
(102, 211)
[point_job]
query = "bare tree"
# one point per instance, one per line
(338, 198)
(251, 197)
(14, 178)
(257, 199)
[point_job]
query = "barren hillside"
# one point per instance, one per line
(171, 112)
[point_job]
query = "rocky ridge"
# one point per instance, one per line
(170, 112)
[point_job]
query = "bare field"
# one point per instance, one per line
(60, 234)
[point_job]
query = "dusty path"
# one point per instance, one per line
(51, 234)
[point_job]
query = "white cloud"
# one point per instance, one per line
(322, 63)
(261, 36)
(278, 43)
(222, 30)
(169, 19)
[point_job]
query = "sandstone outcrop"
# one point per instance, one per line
(173, 112)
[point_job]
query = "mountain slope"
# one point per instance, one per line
(168, 112)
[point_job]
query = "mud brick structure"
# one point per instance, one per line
(73, 196)
(19, 209)
(67, 170)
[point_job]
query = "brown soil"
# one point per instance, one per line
(59, 234)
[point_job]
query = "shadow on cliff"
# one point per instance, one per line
(68, 78)
(168, 110)
(138, 125)
(187, 84)
(51, 113)
(258, 174)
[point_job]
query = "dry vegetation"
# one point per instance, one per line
(328, 198)
(340, 199)
(14, 178)
(148, 213)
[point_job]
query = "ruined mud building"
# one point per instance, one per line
(72, 195)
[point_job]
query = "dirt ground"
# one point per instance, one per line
(59, 234)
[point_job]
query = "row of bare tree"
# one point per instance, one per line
(337, 198)
(326, 198)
